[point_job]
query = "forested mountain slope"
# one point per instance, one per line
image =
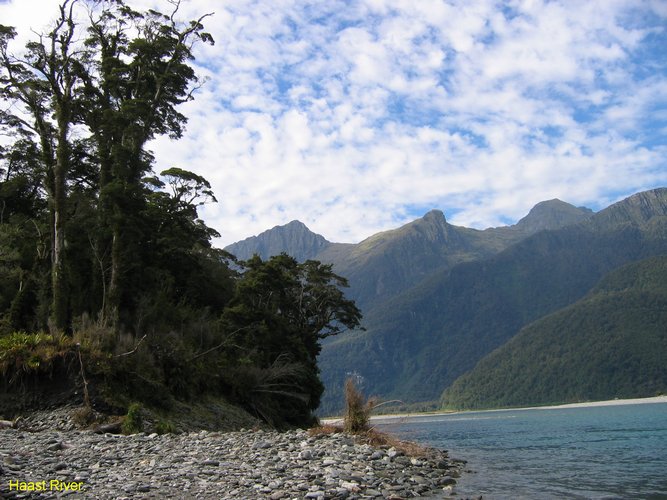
(437, 298)
(419, 342)
(610, 344)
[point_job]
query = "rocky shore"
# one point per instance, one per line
(40, 461)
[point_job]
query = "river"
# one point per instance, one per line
(599, 452)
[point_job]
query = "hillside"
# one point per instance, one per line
(610, 344)
(422, 340)
(437, 298)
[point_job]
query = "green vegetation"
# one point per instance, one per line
(23, 354)
(423, 339)
(611, 344)
(165, 427)
(111, 260)
(133, 421)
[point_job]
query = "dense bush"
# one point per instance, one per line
(112, 258)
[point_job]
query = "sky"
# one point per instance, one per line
(359, 116)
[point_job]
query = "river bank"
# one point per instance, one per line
(51, 463)
(587, 404)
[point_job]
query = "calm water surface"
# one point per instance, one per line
(594, 452)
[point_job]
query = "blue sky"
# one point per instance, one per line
(359, 116)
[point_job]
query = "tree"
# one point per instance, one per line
(45, 82)
(285, 309)
(91, 96)
(139, 75)
(23, 237)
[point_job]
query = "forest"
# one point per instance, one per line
(104, 261)
(611, 344)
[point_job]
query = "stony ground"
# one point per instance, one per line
(235, 465)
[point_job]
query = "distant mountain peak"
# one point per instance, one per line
(552, 214)
(293, 224)
(637, 209)
(434, 215)
(293, 238)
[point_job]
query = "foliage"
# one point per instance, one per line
(165, 427)
(611, 344)
(277, 394)
(111, 258)
(24, 353)
(133, 421)
(283, 309)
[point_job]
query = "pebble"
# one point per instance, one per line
(244, 464)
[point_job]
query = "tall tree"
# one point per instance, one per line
(122, 85)
(45, 82)
(140, 75)
(285, 308)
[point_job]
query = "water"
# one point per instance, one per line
(593, 452)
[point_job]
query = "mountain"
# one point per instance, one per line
(552, 214)
(294, 239)
(423, 339)
(437, 298)
(390, 262)
(640, 208)
(610, 344)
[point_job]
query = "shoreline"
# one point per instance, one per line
(42, 460)
(587, 404)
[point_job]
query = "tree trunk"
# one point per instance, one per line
(59, 207)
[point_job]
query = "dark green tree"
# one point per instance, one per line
(44, 82)
(24, 238)
(282, 310)
(140, 73)
(123, 83)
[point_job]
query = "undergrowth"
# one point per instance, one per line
(24, 353)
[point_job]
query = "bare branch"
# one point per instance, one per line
(226, 342)
(133, 350)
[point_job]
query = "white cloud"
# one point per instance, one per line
(347, 115)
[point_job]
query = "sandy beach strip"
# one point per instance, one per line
(587, 404)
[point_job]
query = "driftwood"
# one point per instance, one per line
(112, 428)
(6, 424)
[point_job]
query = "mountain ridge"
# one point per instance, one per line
(275, 240)
(437, 298)
(385, 263)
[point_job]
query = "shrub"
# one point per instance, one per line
(165, 427)
(83, 416)
(133, 421)
(23, 353)
(357, 409)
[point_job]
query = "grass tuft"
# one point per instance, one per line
(357, 409)
(133, 421)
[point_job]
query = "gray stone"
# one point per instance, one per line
(231, 465)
